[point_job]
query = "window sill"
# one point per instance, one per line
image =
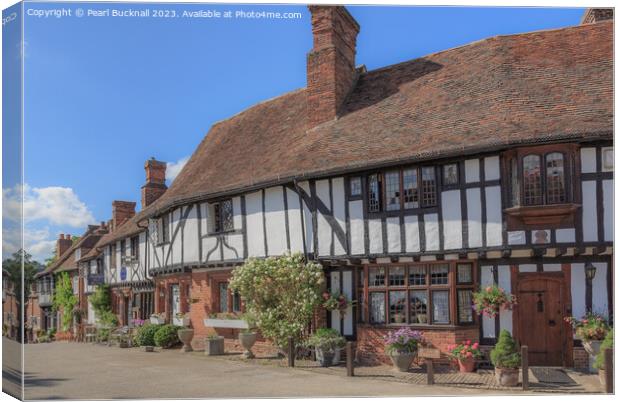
(419, 326)
(541, 216)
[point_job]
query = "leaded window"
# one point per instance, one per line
(398, 305)
(556, 192)
(374, 198)
(377, 307)
(464, 306)
(451, 174)
(410, 188)
(392, 191)
(429, 187)
(222, 216)
(355, 186)
(397, 276)
(441, 306)
(532, 180)
(439, 274)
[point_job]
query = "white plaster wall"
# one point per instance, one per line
(177, 244)
(588, 160)
(588, 195)
(338, 196)
(323, 228)
(393, 234)
(254, 220)
(431, 232)
(275, 221)
(494, 216)
(565, 235)
(474, 217)
(412, 234)
(294, 221)
(375, 236)
(608, 209)
(209, 244)
(486, 279)
(237, 217)
(599, 289)
(190, 236)
(503, 281)
(516, 238)
(491, 168)
(552, 267)
(452, 223)
(356, 224)
(578, 289)
(235, 249)
(527, 268)
(472, 171)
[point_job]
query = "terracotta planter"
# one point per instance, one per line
(186, 336)
(247, 340)
(214, 346)
(467, 365)
(593, 348)
(402, 361)
(507, 377)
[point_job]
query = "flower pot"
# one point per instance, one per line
(149, 348)
(422, 319)
(467, 365)
(185, 336)
(402, 361)
(247, 340)
(214, 346)
(327, 357)
(593, 348)
(507, 377)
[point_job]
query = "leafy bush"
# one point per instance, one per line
(64, 300)
(608, 343)
(100, 300)
(281, 293)
(326, 339)
(145, 336)
(108, 319)
(166, 336)
(506, 353)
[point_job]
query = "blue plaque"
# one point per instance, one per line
(123, 273)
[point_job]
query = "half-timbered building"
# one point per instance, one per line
(413, 184)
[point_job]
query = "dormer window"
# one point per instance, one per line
(540, 186)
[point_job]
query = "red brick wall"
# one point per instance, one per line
(580, 358)
(162, 286)
(371, 348)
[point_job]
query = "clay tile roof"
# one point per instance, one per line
(541, 86)
(67, 261)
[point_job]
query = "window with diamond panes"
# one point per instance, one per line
(392, 191)
(556, 192)
(374, 198)
(355, 186)
(429, 187)
(532, 180)
(410, 188)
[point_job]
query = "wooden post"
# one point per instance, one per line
(429, 354)
(291, 352)
(350, 351)
(609, 370)
(430, 372)
(525, 368)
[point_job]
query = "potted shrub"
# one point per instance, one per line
(402, 347)
(591, 329)
(158, 318)
(185, 336)
(506, 358)
(214, 345)
(465, 354)
(490, 300)
(166, 336)
(145, 336)
(599, 363)
(327, 344)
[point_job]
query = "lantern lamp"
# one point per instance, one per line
(590, 271)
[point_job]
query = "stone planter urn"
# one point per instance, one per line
(507, 377)
(467, 365)
(247, 340)
(593, 348)
(328, 357)
(402, 361)
(214, 346)
(186, 335)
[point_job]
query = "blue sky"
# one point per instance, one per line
(103, 94)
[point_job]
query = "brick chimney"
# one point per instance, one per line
(331, 70)
(62, 244)
(122, 211)
(155, 184)
(593, 15)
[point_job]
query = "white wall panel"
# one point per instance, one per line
(516, 238)
(294, 221)
(452, 223)
(588, 195)
(474, 217)
(324, 229)
(375, 236)
(527, 268)
(412, 234)
(494, 216)
(472, 170)
(190, 236)
(578, 289)
(600, 302)
(254, 220)
(356, 224)
(339, 212)
(503, 281)
(552, 267)
(588, 160)
(565, 235)
(608, 209)
(431, 232)
(491, 168)
(488, 324)
(233, 248)
(177, 245)
(275, 221)
(237, 217)
(393, 234)
(212, 251)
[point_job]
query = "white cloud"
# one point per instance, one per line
(38, 242)
(55, 205)
(174, 168)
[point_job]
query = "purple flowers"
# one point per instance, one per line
(138, 322)
(404, 340)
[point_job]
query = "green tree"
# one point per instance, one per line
(54, 255)
(20, 266)
(280, 293)
(64, 299)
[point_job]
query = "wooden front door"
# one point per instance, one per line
(541, 303)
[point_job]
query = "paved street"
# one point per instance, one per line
(84, 371)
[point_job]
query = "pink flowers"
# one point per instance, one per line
(489, 301)
(465, 350)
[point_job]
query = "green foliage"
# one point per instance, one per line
(326, 339)
(64, 299)
(590, 327)
(281, 293)
(506, 352)
(100, 299)
(166, 336)
(20, 267)
(108, 319)
(608, 343)
(145, 336)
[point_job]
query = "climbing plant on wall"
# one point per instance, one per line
(64, 299)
